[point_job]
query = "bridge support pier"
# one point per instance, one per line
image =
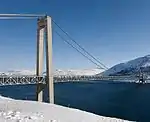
(44, 30)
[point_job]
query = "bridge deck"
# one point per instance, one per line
(14, 80)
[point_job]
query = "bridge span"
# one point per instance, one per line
(26, 79)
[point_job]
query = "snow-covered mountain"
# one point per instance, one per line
(71, 72)
(86, 72)
(19, 72)
(130, 67)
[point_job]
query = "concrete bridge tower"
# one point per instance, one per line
(44, 33)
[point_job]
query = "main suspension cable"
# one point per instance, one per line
(79, 45)
(77, 49)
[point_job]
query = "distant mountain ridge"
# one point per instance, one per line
(71, 72)
(130, 67)
(58, 72)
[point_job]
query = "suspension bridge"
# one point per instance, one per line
(44, 36)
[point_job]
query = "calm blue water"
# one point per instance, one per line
(123, 100)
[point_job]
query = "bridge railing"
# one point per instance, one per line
(11, 80)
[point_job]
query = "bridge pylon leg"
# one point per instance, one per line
(49, 73)
(40, 57)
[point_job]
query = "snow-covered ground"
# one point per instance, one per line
(31, 111)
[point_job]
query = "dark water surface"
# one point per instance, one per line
(129, 101)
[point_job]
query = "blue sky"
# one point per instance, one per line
(112, 30)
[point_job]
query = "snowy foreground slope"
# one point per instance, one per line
(30, 111)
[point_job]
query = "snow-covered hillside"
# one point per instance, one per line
(30, 111)
(57, 72)
(130, 67)
(86, 72)
(19, 72)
